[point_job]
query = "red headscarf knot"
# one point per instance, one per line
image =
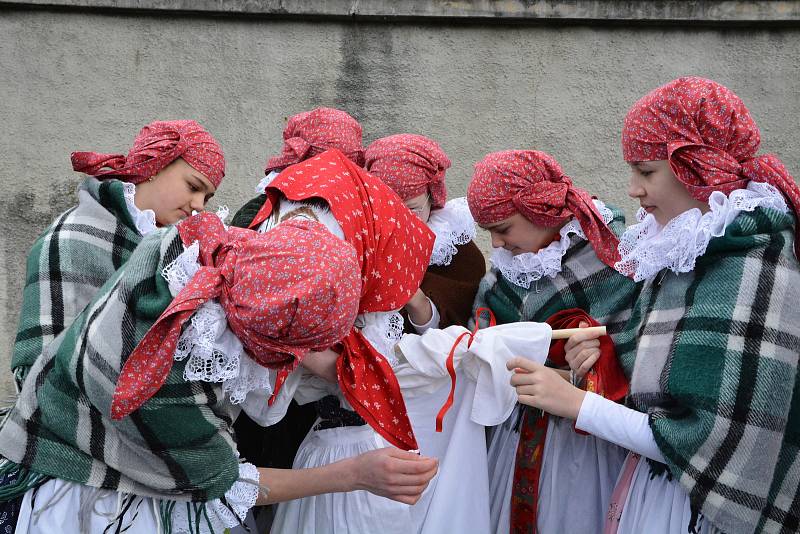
(291, 290)
(157, 145)
(313, 132)
(410, 165)
(709, 138)
(532, 183)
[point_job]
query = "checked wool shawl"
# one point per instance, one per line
(584, 282)
(68, 263)
(178, 446)
(713, 358)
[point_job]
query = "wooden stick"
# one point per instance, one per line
(565, 333)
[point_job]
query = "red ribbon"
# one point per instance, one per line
(451, 367)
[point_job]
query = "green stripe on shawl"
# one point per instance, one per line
(68, 263)
(177, 446)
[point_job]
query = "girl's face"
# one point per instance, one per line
(518, 235)
(174, 192)
(659, 192)
(420, 206)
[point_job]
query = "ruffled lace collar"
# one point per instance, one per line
(647, 248)
(144, 220)
(523, 269)
(214, 353)
(453, 226)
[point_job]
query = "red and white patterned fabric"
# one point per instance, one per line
(285, 292)
(532, 183)
(709, 138)
(310, 133)
(157, 145)
(411, 165)
(393, 246)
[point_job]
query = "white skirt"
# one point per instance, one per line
(60, 506)
(657, 506)
(340, 513)
(576, 468)
(456, 499)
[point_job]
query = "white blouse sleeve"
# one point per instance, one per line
(622, 426)
(433, 322)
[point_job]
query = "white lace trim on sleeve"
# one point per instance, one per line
(383, 330)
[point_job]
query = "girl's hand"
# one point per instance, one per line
(322, 364)
(582, 351)
(394, 473)
(542, 387)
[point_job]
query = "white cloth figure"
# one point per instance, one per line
(457, 498)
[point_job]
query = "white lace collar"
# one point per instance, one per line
(215, 354)
(265, 181)
(453, 225)
(523, 269)
(144, 220)
(647, 248)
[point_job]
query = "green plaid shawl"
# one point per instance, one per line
(178, 446)
(585, 282)
(713, 356)
(67, 265)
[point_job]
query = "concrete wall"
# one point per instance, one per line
(88, 80)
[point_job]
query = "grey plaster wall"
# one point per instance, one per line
(83, 80)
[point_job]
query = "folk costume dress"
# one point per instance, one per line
(125, 422)
(306, 135)
(413, 165)
(712, 344)
(85, 245)
(365, 410)
(571, 273)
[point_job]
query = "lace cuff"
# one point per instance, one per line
(238, 501)
(453, 225)
(383, 330)
(647, 248)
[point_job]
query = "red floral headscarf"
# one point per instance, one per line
(310, 133)
(411, 165)
(157, 145)
(285, 292)
(709, 138)
(394, 248)
(532, 183)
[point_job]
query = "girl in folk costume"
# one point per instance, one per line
(306, 135)
(173, 168)
(360, 408)
(414, 167)
(553, 251)
(713, 416)
(126, 421)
